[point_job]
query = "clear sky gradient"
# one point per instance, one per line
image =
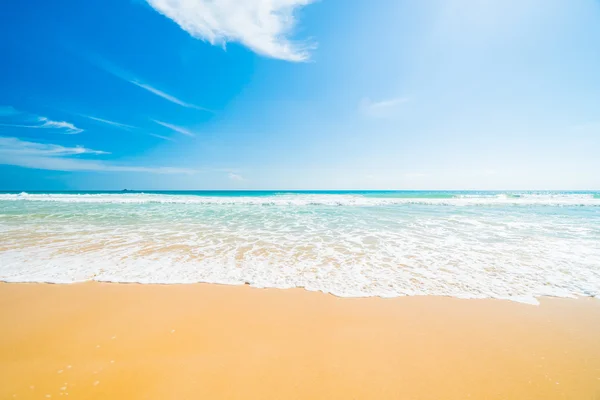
(296, 94)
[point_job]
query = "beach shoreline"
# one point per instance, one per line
(105, 340)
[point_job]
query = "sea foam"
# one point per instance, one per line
(502, 245)
(548, 199)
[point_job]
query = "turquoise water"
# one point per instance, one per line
(510, 245)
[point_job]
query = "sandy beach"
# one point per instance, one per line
(101, 341)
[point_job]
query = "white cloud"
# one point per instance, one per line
(167, 96)
(235, 177)
(125, 127)
(16, 146)
(71, 164)
(112, 123)
(14, 151)
(162, 137)
(129, 77)
(264, 26)
(383, 108)
(27, 120)
(67, 127)
(175, 128)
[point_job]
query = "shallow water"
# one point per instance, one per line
(510, 245)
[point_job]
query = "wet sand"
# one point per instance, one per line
(115, 341)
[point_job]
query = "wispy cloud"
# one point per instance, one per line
(264, 26)
(125, 127)
(131, 78)
(43, 122)
(382, 108)
(112, 123)
(15, 146)
(168, 97)
(67, 127)
(71, 164)
(162, 137)
(21, 119)
(235, 177)
(14, 151)
(175, 128)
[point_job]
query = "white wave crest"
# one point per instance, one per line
(314, 199)
(516, 253)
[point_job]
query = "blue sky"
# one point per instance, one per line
(300, 94)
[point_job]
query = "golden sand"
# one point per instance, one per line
(114, 341)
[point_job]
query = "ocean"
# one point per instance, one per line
(512, 245)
